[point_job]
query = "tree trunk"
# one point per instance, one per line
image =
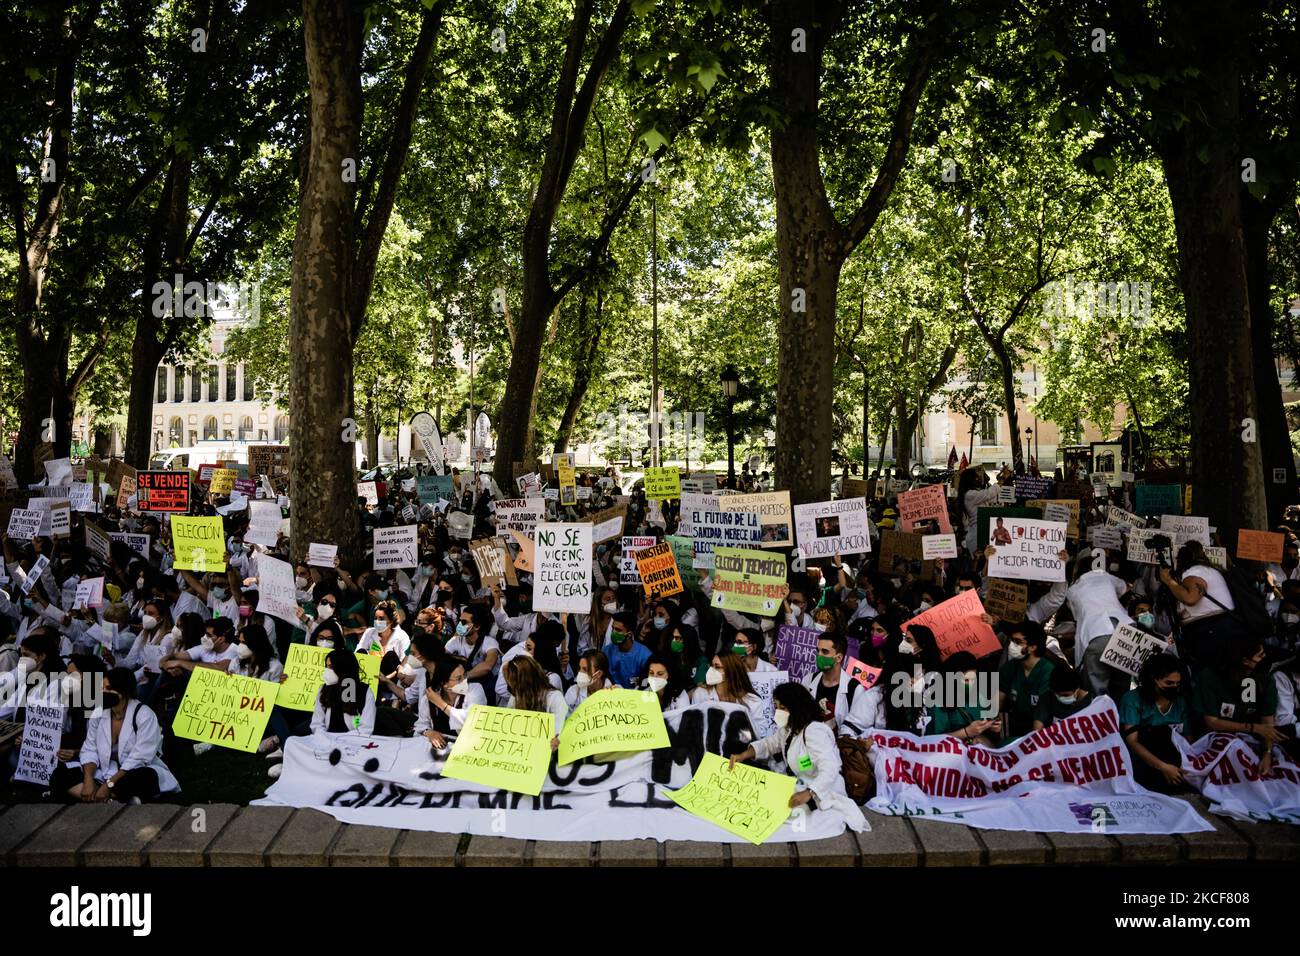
(320, 326)
(1274, 436)
(582, 374)
(1202, 166)
(46, 407)
(903, 445)
(866, 420)
(1008, 373)
(146, 353)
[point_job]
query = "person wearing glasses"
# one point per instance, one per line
(322, 626)
(1148, 718)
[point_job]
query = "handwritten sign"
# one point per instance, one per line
(749, 581)
(958, 625)
(24, 523)
(1141, 548)
(796, 651)
(828, 528)
(139, 543)
(1130, 647)
(1060, 509)
(503, 748)
(42, 732)
(1006, 600)
(628, 573)
(864, 674)
(711, 526)
(563, 579)
(658, 570)
(936, 546)
(493, 561)
(90, 593)
(608, 523)
(764, 682)
(927, 503)
(263, 523)
(396, 547)
(662, 484)
(1259, 546)
(1027, 487)
(199, 544)
(163, 491)
(276, 593)
(743, 800)
(614, 720)
(1186, 528)
(1159, 499)
(223, 481)
(520, 514)
(1032, 553)
(774, 516)
(225, 710)
(304, 675)
(321, 555)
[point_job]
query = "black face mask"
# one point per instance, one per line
(111, 700)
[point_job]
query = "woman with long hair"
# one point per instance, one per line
(444, 706)
(529, 689)
(664, 679)
(727, 681)
(344, 703)
(810, 752)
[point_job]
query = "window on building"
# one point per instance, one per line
(210, 428)
(988, 429)
(246, 428)
(214, 383)
(162, 384)
(281, 428)
(230, 383)
(176, 435)
(248, 384)
(178, 386)
(196, 386)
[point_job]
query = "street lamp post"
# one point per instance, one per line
(730, 385)
(1029, 434)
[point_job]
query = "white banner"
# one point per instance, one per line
(396, 782)
(828, 528)
(1225, 769)
(1026, 549)
(1072, 776)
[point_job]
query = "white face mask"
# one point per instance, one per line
(139, 583)
(381, 624)
(328, 645)
(325, 611)
(713, 677)
(461, 689)
(176, 632)
(207, 643)
(924, 606)
(1015, 652)
(149, 622)
(330, 677)
(656, 684)
(582, 679)
(244, 651)
(26, 664)
(610, 608)
(904, 647)
(300, 583)
(781, 718)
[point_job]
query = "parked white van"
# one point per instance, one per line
(172, 459)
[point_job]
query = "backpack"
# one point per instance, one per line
(1249, 607)
(855, 760)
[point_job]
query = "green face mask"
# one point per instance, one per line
(740, 650)
(678, 645)
(825, 663)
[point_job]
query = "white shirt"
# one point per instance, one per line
(461, 647)
(399, 642)
(1215, 587)
(974, 501)
(320, 721)
(456, 716)
(201, 656)
(1286, 699)
(274, 670)
(516, 651)
(575, 695)
(228, 606)
(554, 704)
(1094, 601)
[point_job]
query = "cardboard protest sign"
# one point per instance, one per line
(90, 593)
(1186, 528)
(1259, 546)
(1032, 553)
(97, 540)
(658, 570)
(773, 510)
(1006, 600)
(662, 484)
(1059, 509)
(163, 491)
(864, 674)
(276, 593)
(263, 523)
(396, 547)
(321, 555)
(1141, 548)
(796, 651)
(608, 523)
(1130, 647)
(749, 581)
(563, 578)
(24, 523)
(743, 800)
(938, 546)
(81, 495)
(613, 721)
(988, 516)
(493, 561)
(42, 732)
(198, 544)
(711, 527)
(857, 488)
(628, 573)
(958, 625)
(526, 559)
(139, 543)
(1159, 499)
(828, 528)
(225, 710)
(125, 489)
(520, 514)
(927, 503)
(1029, 487)
(269, 460)
(903, 552)
(223, 481)
(304, 675)
(503, 748)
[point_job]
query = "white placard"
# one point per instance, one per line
(938, 546)
(563, 578)
(764, 682)
(1130, 647)
(42, 733)
(276, 593)
(263, 523)
(520, 514)
(1187, 528)
(1033, 553)
(1055, 512)
(1006, 494)
(628, 573)
(1139, 549)
(321, 555)
(711, 526)
(38, 568)
(368, 490)
(460, 525)
(396, 547)
(58, 471)
(1111, 539)
(25, 523)
(90, 593)
(82, 496)
(828, 528)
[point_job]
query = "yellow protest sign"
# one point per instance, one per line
(613, 720)
(661, 484)
(749, 581)
(198, 544)
(746, 801)
(223, 481)
(503, 748)
(304, 671)
(225, 710)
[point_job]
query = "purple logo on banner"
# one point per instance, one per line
(796, 651)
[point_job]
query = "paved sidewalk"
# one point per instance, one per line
(228, 835)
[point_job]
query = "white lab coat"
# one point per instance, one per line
(576, 695)
(320, 718)
(753, 703)
(816, 743)
(501, 688)
(458, 714)
(138, 745)
(868, 708)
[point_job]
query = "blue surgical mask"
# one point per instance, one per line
(467, 578)
(462, 629)
(218, 593)
(382, 595)
(661, 623)
(1147, 619)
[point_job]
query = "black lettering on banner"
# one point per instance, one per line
(651, 801)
